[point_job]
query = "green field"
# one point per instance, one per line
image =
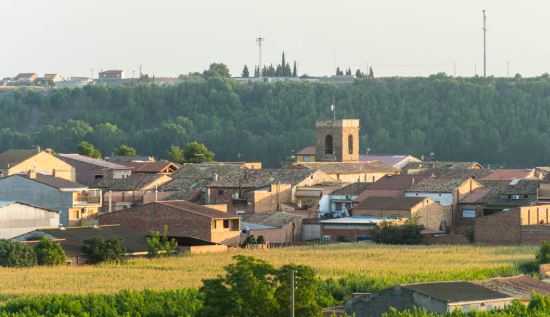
(370, 267)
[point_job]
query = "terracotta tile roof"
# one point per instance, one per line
(189, 207)
(21, 76)
(457, 172)
(440, 164)
(345, 167)
(74, 237)
(480, 195)
(272, 219)
(308, 150)
(261, 178)
(437, 184)
(11, 158)
(389, 203)
(133, 182)
(521, 187)
(92, 161)
(192, 176)
(509, 174)
(520, 287)
(150, 167)
(397, 182)
(353, 189)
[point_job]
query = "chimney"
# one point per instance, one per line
(54, 173)
(31, 174)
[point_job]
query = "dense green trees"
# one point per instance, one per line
(16, 254)
(497, 121)
(49, 252)
(88, 149)
(99, 249)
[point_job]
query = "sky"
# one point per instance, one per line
(172, 37)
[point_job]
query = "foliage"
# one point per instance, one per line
(246, 72)
(160, 244)
(253, 287)
(196, 152)
(394, 233)
(125, 150)
(16, 254)
(268, 121)
(49, 252)
(470, 235)
(99, 249)
(251, 240)
(216, 70)
(88, 149)
(543, 255)
(185, 303)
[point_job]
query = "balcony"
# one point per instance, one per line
(90, 197)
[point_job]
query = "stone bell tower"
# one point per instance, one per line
(337, 140)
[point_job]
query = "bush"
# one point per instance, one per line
(543, 255)
(392, 233)
(160, 245)
(99, 249)
(49, 252)
(16, 254)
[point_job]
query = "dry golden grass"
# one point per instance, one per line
(399, 263)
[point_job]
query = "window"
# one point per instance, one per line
(328, 145)
(226, 224)
(338, 206)
(468, 213)
(220, 192)
(350, 144)
(96, 177)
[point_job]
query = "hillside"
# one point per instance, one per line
(499, 121)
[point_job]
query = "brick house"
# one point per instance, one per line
(89, 170)
(424, 167)
(183, 218)
(350, 172)
(521, 225)
(151, 167)
(431, 215)
(397, 161)
(262, 190)
(390, 186)
(351, 229)
(274, 227)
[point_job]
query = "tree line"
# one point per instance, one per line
(497, 121)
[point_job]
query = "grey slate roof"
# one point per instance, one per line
(10, 158)
(131, 183)
(271, 219)
(353, 189)
(437, 184)
(522, 187)
(249, 178)
(345, 167)
(194, 175)
(439, 164)
(56, 182)
(453, 292)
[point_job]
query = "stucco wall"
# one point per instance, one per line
(45, 163)
(17, 219)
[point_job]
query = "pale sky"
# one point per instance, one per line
(171, 37)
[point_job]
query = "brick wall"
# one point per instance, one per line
(498, 228)
(534, 234)
(380, 193)
(444, 239)
(351, 235)
(145, 219)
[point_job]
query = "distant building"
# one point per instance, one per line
(390, 186)
(339, 202)
(18, 218)
(154, 167)
(73, 82)
(25, 78)
(183, 218)
(74, 201)
(437, 297)
(426, 167)
(274, 227)
(111, 77)
(395, 160)
(22, 161)
(89, 170)
(352, 229)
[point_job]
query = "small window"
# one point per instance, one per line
(525, 196)
(328, 145)
(96, 177)
(226, 224)
(220, 192)
(350, 144)
(468, 213)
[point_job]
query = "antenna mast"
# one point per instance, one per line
(484, 44)
(259, 40)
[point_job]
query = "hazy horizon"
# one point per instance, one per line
(176, 37)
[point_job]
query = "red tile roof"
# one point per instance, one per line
(308, 150)
(389, 203)
(150, 167)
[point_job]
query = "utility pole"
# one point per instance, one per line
(484, 44)
(292, 287)
(259, 40)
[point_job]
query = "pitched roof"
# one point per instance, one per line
(344, 167)
(111, 71)
(509, 174)
(397, 182)
(130, 183)
(149, 167)
(191, 176)
(74, 237)
(437, 184)
(389, 159)
(440, 164)
(93, 161)
(10, 158)
(4, 203)
(308, 150)
(186, 206)
(257, 178)
(457, 172)
(521, 187)
(520, 287)
(480, 195)
(353, 189)
(389, 203)
(56, 182)
(271, 219)
(453, 292)
(24, 76)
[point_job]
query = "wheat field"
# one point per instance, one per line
(390, 264)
